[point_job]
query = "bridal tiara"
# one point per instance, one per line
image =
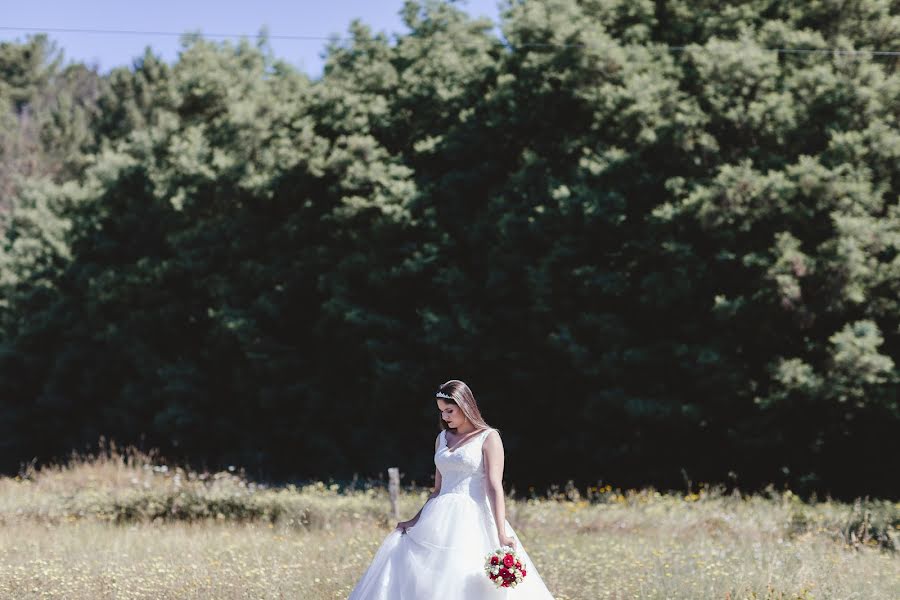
(443, 395)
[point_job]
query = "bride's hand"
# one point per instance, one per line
(404, 525)
(506, 540)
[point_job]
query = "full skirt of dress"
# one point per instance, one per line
(442, 558)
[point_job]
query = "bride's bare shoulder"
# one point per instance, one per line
(492, 438)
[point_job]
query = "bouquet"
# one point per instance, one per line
(504, 568)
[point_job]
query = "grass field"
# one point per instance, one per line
(123, 526)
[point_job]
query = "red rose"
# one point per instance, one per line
(495, 560)
(523, 572)
(505, 584)
(518, 565)
(508, 560)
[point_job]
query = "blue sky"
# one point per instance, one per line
(298, 18)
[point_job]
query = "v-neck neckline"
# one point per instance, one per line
(468, 441)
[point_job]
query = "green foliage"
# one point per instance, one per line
(46, 114)
(632, 227)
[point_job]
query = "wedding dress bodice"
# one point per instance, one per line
(462, 470)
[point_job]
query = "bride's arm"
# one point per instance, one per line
(493, 459)
(437, 490)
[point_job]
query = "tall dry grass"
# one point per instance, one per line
(121, 524)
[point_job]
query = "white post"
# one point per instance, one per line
(394, 490)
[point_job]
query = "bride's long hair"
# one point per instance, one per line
(465, 400)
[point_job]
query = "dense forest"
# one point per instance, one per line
(660, 239)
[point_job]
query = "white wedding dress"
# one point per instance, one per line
(442, 556)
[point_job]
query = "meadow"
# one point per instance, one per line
(122, 524)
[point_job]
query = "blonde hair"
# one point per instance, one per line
(462, 397)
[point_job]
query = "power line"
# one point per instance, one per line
(831, 51)
(167, 33)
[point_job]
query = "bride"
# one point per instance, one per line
(439, 554)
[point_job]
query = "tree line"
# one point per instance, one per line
(654, 247)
